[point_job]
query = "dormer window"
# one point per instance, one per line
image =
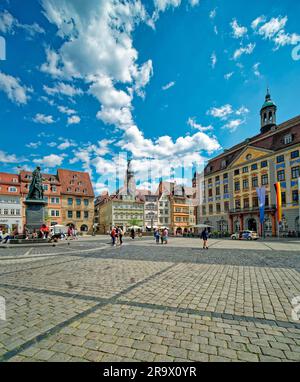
(77, 190)
(15, 180)
(288, 139)
(75, 176)
(69, 189)
(223, 164)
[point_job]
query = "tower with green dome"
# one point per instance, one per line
(268, 114)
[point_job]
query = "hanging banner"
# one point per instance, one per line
(261, 193)
(278, 201)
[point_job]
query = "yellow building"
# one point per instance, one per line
(228, 184)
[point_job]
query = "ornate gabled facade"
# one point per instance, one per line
(229, 199)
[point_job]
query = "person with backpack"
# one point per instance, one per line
(113, 235)
(204, 236)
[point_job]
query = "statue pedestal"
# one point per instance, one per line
(35, 214)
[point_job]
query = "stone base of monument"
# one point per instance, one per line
(35, 214)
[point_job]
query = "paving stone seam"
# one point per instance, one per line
(6, 356)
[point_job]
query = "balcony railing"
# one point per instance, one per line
(251, 209)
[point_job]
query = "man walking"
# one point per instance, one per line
(113, 235)
(204, 236)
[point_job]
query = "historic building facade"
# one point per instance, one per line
(77, 199)
(10, 203)
(228, 185)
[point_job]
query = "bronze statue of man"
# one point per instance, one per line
(36, 191)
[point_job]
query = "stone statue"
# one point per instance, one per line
(36, 191)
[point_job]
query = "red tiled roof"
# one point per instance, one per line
(75, 183)
(6, 181)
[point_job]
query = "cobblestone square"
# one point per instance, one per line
(146, 302)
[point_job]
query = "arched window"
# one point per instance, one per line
(84, 228)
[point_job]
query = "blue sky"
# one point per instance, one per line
(175, 81)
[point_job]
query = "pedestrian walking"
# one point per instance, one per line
(113, 234)
(120, 235)
(204, 236)
(132, 233)
(157, 235)
(165, 236)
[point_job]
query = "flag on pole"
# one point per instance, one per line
(261, 193)
(278, 201)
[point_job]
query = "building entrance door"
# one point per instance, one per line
(252, 225)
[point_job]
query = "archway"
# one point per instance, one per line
(179, 231)
(84, 228)
(252, 225)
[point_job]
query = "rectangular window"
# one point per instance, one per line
(267, 200)
(237, 186)
(237, 204)
(295, 172)
(86, 202)
(264, 179)
(225, 188)
(211, 209)
(254, 167)
(218, 208)
(246, 203)
(245, 184)
(70, 201)
(255, 182)
(283, 198)
(236, 172)
(226, 206)
(210, 194)
(78, 214)
(280, 176)
(255, 202)
(295, 154)
(225, 176)
(245, 169)
(218, 191)
(217, 178)
(78, 202)
(280, 159)
(288, 139)
(70, 214)
(203, 210)
(86, 214)
(295, 196)
(264, 164)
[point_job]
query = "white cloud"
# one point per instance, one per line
(222, 112)
(8, 158)
(192, 122)
(227, 76)
(34, 145)
(66, 144)
(193, 3)
(242, 111)
(169, 85)
(63, 89)
(257, 21)
(233, 125)
(14, 90)
(213, 13)
(238, 30)
(51, 66)
(51, 160)
(162, 5)
(66, 110)
(8, 24)
(272, 27)
(256, 69)
(44, 119)
(244, 50)
(274, 30)
(73, 120)
(213, 60)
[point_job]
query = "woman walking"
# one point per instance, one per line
(204, 237)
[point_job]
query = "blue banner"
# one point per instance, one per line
(261, 193)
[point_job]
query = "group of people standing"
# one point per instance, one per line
(116, 235)
(161, 235)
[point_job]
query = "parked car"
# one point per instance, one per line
(245, 235)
